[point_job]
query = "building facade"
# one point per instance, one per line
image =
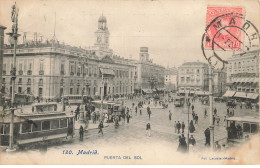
(193, 76)
(219, 82)
(149, 74)
(243, 72)
(2, 29)
(50, 70)
(171, 78)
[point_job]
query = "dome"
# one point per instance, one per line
(102, 19)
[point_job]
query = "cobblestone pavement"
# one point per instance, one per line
(162, 128)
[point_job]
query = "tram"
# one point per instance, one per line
(240, 129)
(179, 101)
(44, 124)
(74, 99)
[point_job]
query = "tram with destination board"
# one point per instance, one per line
(45, 123)
(240, 129)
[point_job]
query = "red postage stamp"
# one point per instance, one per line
(224, 31)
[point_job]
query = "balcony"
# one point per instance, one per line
(71, 73)
(4, 72)
(40, 84)
(78, 74)
(41, 72)
(29, 72)
(20, 82)
(62, 73)
(20, 72)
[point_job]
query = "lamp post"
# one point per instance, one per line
(101, 96)
(211, 127)
(82, 62)
(13, 36)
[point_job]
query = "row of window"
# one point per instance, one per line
(244, 64)
(36, 126)
(44, 125)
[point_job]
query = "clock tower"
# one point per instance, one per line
(102, 38)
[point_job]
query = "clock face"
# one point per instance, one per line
(99, 39)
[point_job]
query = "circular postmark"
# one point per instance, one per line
(228, 34)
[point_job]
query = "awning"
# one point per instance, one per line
(181, 91)
(241, 94)
(107, 71)
(229, 93)
(252, 95)
(147, 91)
(199, 93)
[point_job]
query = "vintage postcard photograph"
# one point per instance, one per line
(120, 82)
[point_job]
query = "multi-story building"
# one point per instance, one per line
(243, 74)
(193, 76)
(2, 29)
(149, 75)
(50, 69)
(171, 78)
(219, 82)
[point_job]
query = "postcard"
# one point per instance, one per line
(118, 82)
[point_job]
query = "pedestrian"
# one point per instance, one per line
(193, 115)
(215, 111)
(207, 136)
(182, 144)
(175, 127)
(148, 129)
(192, 128)
(135, 110)
(192, 107)
(182, 127)
(127, 118)
(228, 111)
(95, 117)
(149, 112)
(218, 120)
(100, 126)
(225, 123)
(81, 132)
(170, 115)
(32, 108)
(217, 147)
(192, 143)
(140, 112)
(196, 119)
(214, 119)
(178, 127)
(205, 113)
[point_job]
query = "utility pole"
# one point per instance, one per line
(211, 127)
(101, 96)
(13, 35)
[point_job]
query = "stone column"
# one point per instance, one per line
(2, 29)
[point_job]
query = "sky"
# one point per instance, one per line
(171, 29)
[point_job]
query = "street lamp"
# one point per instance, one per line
(13, 35)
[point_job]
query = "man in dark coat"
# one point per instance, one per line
(149, 111)
(207, 135)
(100, 126)
(81, 132)
(182, 127)
(127, 118)
(192, 128)
(178, 127)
